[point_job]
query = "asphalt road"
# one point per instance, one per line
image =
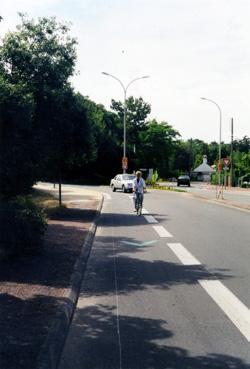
(242, 196)
(167, 290)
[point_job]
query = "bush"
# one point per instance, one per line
(22, 227)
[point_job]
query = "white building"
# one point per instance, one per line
(203, 172)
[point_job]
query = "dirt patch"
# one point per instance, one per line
(32, 289)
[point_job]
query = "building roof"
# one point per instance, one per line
(204, 167)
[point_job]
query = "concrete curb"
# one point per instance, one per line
(51, 350)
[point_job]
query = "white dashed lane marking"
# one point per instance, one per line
(162, 232)
(235, 310)
(150, 219)
(183, 254)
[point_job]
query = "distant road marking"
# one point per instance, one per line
(150, 219)
(183, 254)
(162, 232)
(235, 310)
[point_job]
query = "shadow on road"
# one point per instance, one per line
(94, 339)
(126, 220)
(136, 272)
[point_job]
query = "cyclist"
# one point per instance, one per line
(138, 186)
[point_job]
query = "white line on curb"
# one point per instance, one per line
(183, 254)
(236, 311)
(162, 232)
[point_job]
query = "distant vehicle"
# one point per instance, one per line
(245, 181)
(183, 180)
(123, 182)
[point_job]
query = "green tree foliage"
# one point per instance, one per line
(17, 151)
(157, 147)
(41, 56)
(137, 111)
(68, 141)
(242, 145)
(107, 131)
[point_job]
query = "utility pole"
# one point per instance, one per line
(190, 161)
(220, 116)
(232, 139)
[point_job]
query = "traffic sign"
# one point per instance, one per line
(226, 162)
(124, 162)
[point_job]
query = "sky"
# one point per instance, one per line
(190, 49)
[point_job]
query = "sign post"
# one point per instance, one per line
(226, 162)
(124, 163)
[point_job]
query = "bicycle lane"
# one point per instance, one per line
(136, 307)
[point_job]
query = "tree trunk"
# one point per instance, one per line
(60, 189)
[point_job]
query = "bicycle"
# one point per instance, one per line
(138, 202)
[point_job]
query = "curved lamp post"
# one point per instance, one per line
(125, 88)
(212, 101)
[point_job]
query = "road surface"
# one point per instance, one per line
(236, 195)
(167, 290)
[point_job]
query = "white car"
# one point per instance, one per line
(123, 182)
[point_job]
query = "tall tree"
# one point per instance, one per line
(108, 134)
(41, 55)
(137, 111)
(158, 141)
(17, 151)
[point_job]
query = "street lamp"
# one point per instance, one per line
(125, 88)
(204, 98)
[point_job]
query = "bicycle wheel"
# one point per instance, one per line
(140, 205)
(137, 203)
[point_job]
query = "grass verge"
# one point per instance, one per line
(166, 188)
(48, 203)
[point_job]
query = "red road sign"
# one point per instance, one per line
(124, 162)
(226, 162)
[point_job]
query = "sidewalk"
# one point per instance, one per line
(38, 294)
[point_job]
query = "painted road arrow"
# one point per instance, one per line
(139, 244)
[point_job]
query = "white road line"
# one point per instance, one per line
(183, 254)
(162, 232)
(235, 310)
(150, 219)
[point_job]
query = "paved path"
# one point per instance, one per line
(169, 289)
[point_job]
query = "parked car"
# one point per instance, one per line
(122, 182)
(183, 180)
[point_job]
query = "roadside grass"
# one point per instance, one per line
(166, 188)
(48, 203)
